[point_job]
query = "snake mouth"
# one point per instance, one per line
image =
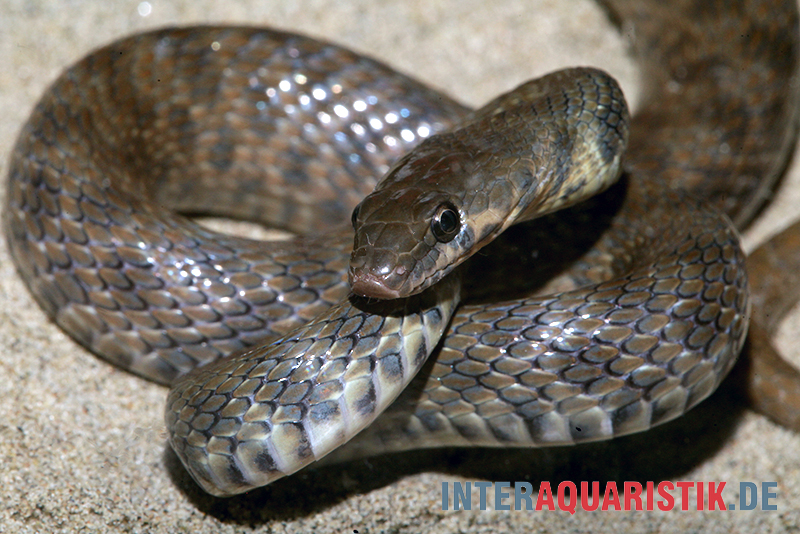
(366, 285)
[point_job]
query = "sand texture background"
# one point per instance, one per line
(82, 444)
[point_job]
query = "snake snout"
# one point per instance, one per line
(367, 286)
(371, 275)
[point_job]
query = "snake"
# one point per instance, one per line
(590, 308)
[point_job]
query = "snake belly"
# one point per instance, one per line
(265, 125)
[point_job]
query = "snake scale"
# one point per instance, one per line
(635, 328)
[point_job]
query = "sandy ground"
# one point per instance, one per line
(82, 444)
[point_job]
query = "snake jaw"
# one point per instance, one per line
(363, 283)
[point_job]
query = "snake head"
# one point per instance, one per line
(394, 258)
(418, 226)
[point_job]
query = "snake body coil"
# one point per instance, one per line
(289, 131)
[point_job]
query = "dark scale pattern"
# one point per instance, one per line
(286, 130)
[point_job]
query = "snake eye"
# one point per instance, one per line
(445, 223)
(354, 216)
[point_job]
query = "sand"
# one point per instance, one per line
(82, 444)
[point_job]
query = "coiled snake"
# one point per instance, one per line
(648, 317)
